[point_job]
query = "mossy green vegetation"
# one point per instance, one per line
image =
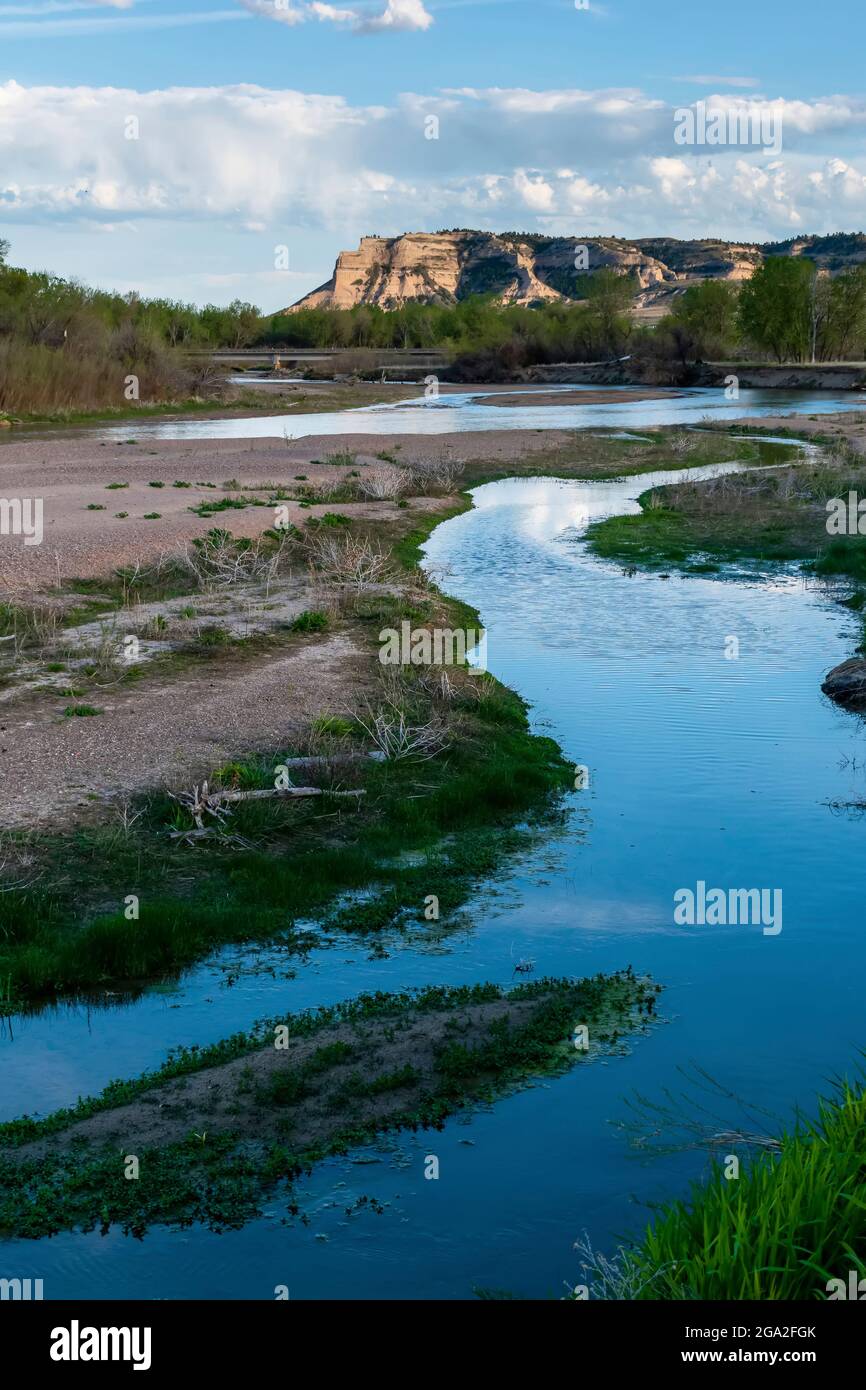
(70, 416)
(789, 1224)
(462, 812)
(224, 403)
(227, 504)
(464, 821)
(239, 1117)
(750, 519)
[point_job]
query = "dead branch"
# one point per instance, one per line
(201, 801)
(323, 759)
(395, 738)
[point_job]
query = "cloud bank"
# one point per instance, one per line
(565, 160)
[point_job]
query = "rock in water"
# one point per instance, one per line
(846, 683)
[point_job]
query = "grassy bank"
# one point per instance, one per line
(457, 785)
(605, 454)
(216, 1128)
(220, 402)
(210, 405)
(751, 519)
(301, 857)
(791, 1222)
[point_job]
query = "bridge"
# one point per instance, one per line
(290, 357)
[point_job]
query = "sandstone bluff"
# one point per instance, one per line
(525, 269)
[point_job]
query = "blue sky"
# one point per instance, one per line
(282, 123)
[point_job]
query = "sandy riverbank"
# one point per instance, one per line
(848, 427)
(506, 397)
(85, 537)
(73, 475)
(179, 723)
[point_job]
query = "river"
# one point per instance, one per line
(467, 412)
(700, 768)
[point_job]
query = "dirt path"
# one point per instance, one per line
(159, 735)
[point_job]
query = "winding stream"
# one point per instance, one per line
(700, 768)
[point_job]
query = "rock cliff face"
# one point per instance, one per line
(443, 267)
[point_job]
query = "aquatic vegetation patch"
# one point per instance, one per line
(206, 1136)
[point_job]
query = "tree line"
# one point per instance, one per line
(47, 311)
(788, 311)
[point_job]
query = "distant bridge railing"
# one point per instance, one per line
(389, 357)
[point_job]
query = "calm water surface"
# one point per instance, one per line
(470, 411)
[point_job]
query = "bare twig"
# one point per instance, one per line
(349, 560)
(396, 738)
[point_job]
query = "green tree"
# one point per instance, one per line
(707, 313)
(845, 328)
(243, 323)
(777, 308)
(610, 297)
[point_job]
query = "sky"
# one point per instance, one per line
(207, 150)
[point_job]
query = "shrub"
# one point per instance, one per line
(311, 621)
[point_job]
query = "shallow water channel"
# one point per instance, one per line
(460, 412)
(700, 768)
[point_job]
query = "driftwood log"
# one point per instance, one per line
(201, 801)
(325, 760)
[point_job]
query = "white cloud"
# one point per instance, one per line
(839, 180)
(398, 14)
(333, 14)
(283, 13)
(674, 176)
(571, 100)
(406, 15)
(584, 197)
(567, 161)
(535, 192)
